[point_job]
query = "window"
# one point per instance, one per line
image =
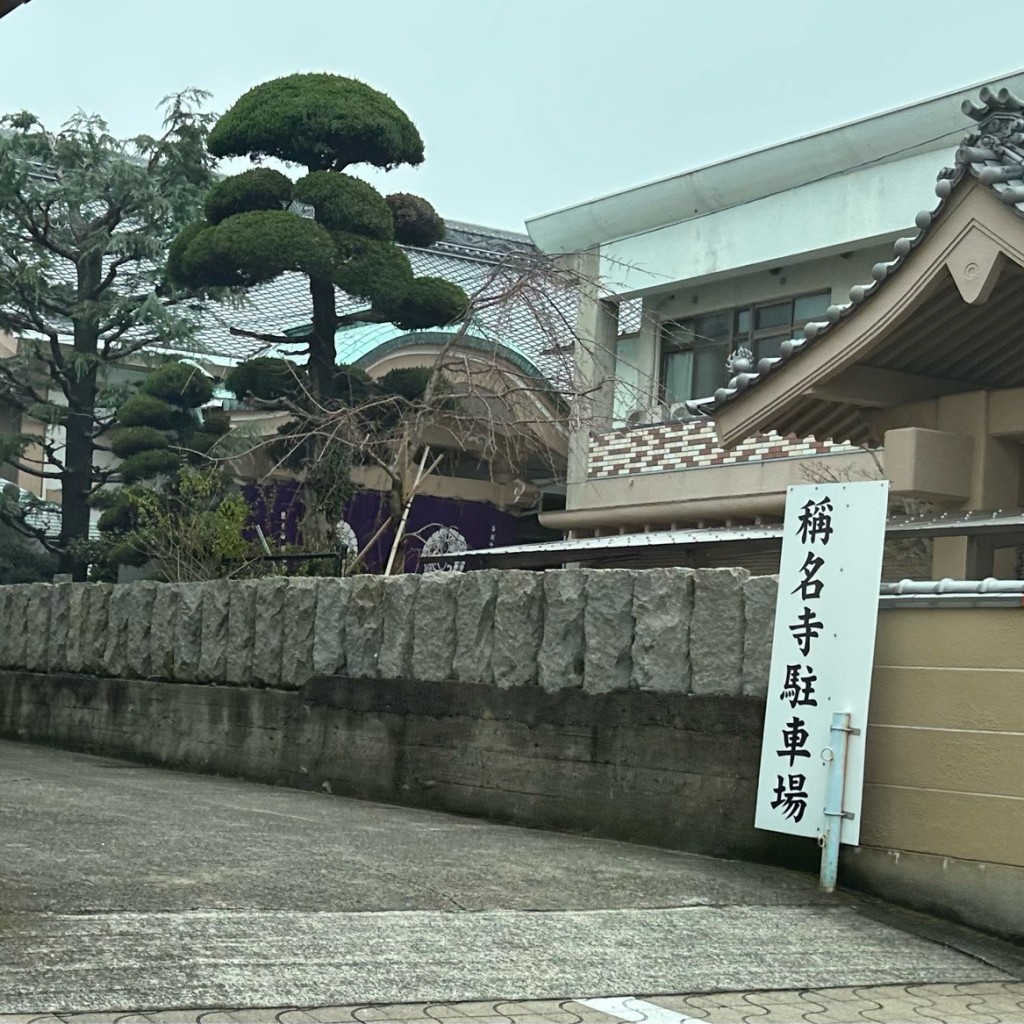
(694, 351)
(693, 354)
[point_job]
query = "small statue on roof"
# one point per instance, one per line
(740, 361)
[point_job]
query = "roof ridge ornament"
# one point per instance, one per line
(1002, 102)
(994, 150)
(740, 361)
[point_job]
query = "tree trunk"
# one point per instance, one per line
(322, 353)
(321, 369)
(77, 476)
(76, 479)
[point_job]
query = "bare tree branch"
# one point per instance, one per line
(31, 470)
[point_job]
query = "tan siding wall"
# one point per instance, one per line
(945, 750)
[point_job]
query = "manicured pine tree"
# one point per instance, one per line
(258, 226)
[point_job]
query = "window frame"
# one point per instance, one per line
(736, 338)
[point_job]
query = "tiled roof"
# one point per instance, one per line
(483, 261)
(536, 318)
(993, 153)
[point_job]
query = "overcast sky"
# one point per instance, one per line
(525, 106)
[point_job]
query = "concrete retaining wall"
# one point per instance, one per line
(704, 631)
(667, 769)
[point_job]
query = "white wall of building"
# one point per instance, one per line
(847, 211)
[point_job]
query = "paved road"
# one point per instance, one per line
(129, 888)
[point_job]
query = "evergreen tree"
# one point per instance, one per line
(164, 424)
(255, 228)
(159, 434)
(85, 222)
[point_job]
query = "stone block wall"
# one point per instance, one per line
(682, 631)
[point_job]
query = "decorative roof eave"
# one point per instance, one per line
(993, 154)
(440, 337)
(931, 334)
(502, 357)
(6, 6)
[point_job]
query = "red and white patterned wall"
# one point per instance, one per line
(667, 446)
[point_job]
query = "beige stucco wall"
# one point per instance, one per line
(975, 449)
(944, 786)
(838, 273)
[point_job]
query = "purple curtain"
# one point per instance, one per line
(439, 523)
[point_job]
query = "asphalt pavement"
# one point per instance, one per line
(128, 888)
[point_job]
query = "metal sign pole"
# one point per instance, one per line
(834, 813)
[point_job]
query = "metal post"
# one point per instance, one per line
(834, 786)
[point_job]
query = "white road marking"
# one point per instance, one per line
(633, 1009)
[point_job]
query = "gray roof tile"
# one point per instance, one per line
(536, 317)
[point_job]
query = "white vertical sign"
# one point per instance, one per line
(822, 652)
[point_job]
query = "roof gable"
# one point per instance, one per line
(966, 242)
